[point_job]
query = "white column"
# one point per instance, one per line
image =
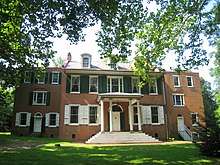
(102, 116)
(139, 115)
(110, 114)
(130, 116)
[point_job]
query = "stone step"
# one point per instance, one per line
(121, 137)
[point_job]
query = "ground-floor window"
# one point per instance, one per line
(22, 119)
(135, 114)
(194, 119)
(154, 115)
(74, 114)
(92, 115)
(52, 119)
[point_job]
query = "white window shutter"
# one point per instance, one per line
(57, 119)
(28, 119)
(99, 115)
(161, 115)
(17, 119)
(67, 114)
(83, 114)
(47, 119)
(144, 114)
(148, 115)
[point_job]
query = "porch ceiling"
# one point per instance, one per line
(122, 97)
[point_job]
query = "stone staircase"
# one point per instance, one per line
(121, 138)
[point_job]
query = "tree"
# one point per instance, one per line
(58, 62)
(6, 108)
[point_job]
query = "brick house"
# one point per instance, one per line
(84, 98)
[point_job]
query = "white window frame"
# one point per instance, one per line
(43, 78)
(74, 105)
(87, 64)
(71, 86)
(191, 78)
(44, 99)
(197, 119)
(96, 115)
(52, 80)
(133, 85)
(178, 78)
(158, 123)
(155, 84)
(90, 77)
(52, 113)
(120, 86)
(26, 74)
(18, 119)
(181, 99)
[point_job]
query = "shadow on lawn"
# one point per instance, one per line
(155, 154)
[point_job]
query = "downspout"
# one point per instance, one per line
(165, 103)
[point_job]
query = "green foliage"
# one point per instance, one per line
(6, 108)
(58, 62)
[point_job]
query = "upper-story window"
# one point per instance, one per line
(176, 81)
(55, 77)
(135, 83)
(40, 98)
(86, 62)
(93, 86)
(178, 100)
(75, 84)
(27, 77)
(153, 87)
(41, 79)
(189, 81)
(115, 84)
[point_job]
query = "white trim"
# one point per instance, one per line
(191, 77)
(96, 84)
(178, 81)
(25, 74)
(174, 100)
(44, 77)
(132, 84)
(155, 83)
(115, 77)
(71, 84)
(34, 98)
(58, 78)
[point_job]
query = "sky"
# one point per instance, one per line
(63, 47)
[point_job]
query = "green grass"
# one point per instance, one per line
(70, 153)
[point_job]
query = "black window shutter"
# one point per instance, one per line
(43, 125)
(84, 84)
(31, 98)
(102, 84)
(32, 77)
(159, 85)
(46, 78)
(68, 83)
(145, 88)
(50, 78)
(32, 124)
(48, 98)
(127, 84)
(60, 78)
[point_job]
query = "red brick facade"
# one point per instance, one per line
(158, 114)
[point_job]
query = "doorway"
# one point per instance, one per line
(180, 123)
(37, 122)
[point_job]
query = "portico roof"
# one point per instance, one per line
(122, 97)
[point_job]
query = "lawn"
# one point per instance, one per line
(31, 150)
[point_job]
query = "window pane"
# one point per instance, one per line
(189, 81)
(176, 80)
(135, 115)
(135, 88)
(74, 114)
(92, 114)
(115, 85)
(93, 84)
(52, 119)
(178, 100)
(194, 118)
(75, 84)
(55, 77)
(23, 119)
(85, 62)
(154, 114)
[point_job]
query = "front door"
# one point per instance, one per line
(37, 124)
(180, 123)
(116, 121)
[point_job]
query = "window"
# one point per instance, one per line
(41, 78)
(135, 114)
(75, 81)
(55, 77)
(154, 115)
(92, 115)
(194, 119)
(93, 84)
(135, 83)
(178, 99)
(40, 97)
(74, 114)
(113, 66)
(115, 84)
(23, 119)
(86, 62)
(189, 81)
(52, 119)
(176, 81)
(153, 87)
(27, 77)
